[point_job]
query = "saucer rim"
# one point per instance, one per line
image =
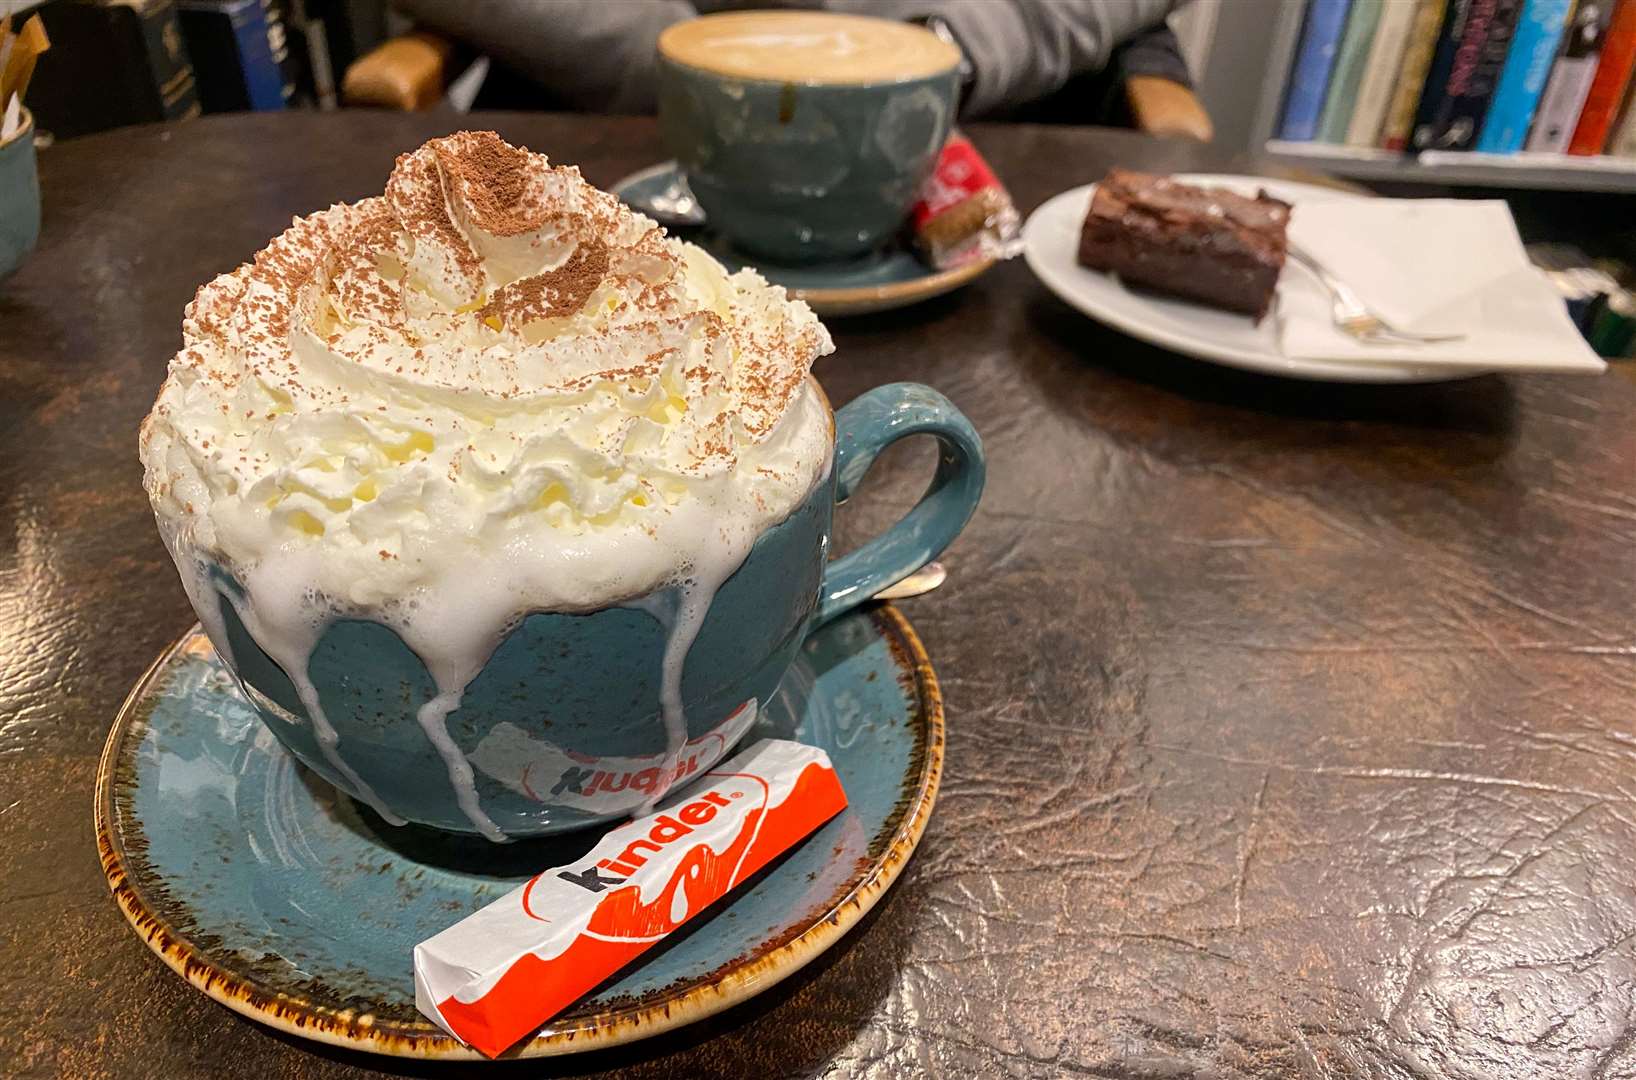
(848, 299)
(657, 1013)
(867, 299)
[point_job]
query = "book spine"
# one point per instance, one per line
(263, 81)
(1607, 88)
(1435, 89)
(1476, 72)
(1411, 77)
(1314, 61)
(232, 60)
(1570, 79)
(167, 60)
(1522, 80)
(1342, 97)
(285, 43)
(1380, 72)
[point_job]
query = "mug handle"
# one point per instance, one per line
(866, 426)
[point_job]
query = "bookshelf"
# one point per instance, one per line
(1521, 171)
(1557, 172)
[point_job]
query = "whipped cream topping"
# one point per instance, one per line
(490, 391)
(492, 348)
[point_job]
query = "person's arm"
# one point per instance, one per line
(595, 55)
(1023, 50)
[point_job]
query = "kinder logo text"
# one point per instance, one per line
(666, 830)
(577, 780)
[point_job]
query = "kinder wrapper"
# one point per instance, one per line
(964, 212)
(498, 974)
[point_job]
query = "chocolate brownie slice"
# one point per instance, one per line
(1204, 244)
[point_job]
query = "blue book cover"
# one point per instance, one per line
(1522, 81)
(236, 69)
(262, 79)
(1313, 63)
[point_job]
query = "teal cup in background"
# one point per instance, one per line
(19, 198)
(799, 171)
(562, 728)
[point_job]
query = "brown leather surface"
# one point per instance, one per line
(1290, 726)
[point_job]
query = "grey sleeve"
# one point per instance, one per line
(1024, 50)
(595, 54)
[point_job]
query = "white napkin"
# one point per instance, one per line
(1432, 265)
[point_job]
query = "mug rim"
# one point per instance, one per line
(26, 130)
(827, 84)
(815, 84)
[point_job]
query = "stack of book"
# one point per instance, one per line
(1484, 76)
(121, 62)
(241, 53)
(110, 65)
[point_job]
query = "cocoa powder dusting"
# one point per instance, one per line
(493, 175)
(474, 183)
(415, 192)
(554, 293)
(357, 282)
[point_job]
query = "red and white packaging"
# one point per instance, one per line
(496, 975)
(963, 212)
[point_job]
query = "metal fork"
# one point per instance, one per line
(1354, 316)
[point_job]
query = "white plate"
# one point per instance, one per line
(1051, 239)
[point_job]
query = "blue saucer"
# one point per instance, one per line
(890, 278)
(297, 907)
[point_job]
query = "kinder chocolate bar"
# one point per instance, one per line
(964, 212)
(498, 974)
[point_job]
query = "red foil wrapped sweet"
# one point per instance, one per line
(964, 213)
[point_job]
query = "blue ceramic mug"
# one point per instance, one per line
(19, 198)
(562, 728)
(815, 165)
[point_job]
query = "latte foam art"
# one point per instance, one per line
(491, 391)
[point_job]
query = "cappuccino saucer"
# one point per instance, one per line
(880, 281)
(296, 907)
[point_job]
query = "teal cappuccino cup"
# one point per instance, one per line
(805, 135)
(563, 728)
(19, 197)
